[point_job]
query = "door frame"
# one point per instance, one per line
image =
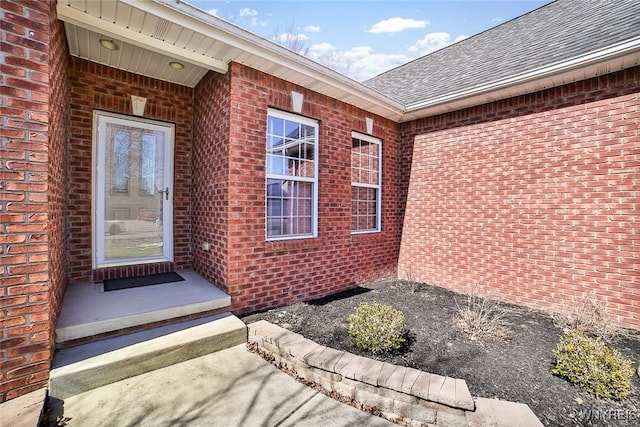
(98, 175)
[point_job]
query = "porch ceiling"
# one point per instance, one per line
(151, 34)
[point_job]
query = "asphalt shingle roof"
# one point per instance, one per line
(552, 34)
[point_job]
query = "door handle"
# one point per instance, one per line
(166, 193)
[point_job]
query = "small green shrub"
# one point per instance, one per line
(590, 363)
(377, 328)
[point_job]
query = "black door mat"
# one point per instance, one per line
(136, 282)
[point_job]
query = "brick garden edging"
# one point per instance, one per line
(403, 395)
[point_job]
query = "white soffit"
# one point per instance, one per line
(153, 33)
(85, 44)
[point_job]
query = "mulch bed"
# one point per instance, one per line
(516, 369)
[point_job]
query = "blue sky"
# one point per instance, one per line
(364, 38)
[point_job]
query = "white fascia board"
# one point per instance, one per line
(216, 28)
(543, 78)
(81, 19)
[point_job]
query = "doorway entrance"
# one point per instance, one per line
(132, 195)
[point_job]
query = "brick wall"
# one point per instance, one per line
(32, 192)
(534, 198)
(94, 86)
(58, 177)
(210, 190)
(262, 274)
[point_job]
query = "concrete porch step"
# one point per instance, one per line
(89, 313)
(88, 366)
(501, 413)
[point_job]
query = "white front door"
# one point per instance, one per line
(133, 190)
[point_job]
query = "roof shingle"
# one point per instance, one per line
(552, 34)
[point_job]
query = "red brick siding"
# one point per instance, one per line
(32, 192)
(58, 177)
(534, 198)
(94, 86)
(263, 274)
(210, 191)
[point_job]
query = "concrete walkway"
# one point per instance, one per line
(232, 387)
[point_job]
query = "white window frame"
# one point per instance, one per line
(314, 181)
(378, 187)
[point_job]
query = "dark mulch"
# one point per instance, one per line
(517, 369)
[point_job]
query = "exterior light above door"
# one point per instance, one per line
(109, 44)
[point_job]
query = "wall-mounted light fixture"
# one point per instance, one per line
(109, 44)
(176, 65)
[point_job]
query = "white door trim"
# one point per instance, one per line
(100, 120)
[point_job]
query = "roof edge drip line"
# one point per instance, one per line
(213, 26)
(612, 53)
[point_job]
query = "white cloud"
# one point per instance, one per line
(312, 28)
(249, 17)
(395, 25)
(320, 49)
(360, 63)
(248, 12)
(497, 19)
(289, 37)
(432, 42)
(213, 12)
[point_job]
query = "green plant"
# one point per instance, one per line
(590, 363)
(377, 328)
(481, 317)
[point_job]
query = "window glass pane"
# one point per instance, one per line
(291, 178)
(276, 165)
(274, 144)
(275, 126)
(365, 178)
(308, 133)
(292, 130)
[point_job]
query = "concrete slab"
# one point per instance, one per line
(513, 414)
(87, 310)
(23, 411)
(66, 380)
(231, 387)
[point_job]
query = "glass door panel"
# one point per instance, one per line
(133, 191)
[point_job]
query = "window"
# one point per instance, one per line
(366, 166)
(292, 177)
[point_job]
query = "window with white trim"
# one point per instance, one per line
(292, 176)
(366, 178)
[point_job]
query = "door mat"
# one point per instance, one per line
(136, 282)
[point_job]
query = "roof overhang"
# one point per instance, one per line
(153, 33)
(605, 61)
(172, 29)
